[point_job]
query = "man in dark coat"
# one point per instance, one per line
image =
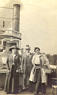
(13, 63)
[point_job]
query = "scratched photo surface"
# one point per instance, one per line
(28, 47)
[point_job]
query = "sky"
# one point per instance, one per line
(38, 23)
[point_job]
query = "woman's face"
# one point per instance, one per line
(14, 51)
(37, 51)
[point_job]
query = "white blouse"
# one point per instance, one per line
(36, 59)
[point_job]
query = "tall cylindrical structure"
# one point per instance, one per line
(16, 17)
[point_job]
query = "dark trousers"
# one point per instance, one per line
(43, 86)
(38, 81)
(40, 87)
(31, 86)
(27, 75)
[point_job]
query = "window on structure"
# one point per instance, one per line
(0, 42)
(11, 44)
(4, 44)
(3, 23)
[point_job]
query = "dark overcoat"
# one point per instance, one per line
(12, 78)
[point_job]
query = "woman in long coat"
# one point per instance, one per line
(38, 72)
(13, 63)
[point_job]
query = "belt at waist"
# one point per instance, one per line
(37, 65)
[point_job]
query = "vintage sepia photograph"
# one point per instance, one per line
(28, 47)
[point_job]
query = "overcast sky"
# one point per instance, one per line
(38, 23)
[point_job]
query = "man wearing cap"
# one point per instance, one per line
(27, 65)
(13, 63)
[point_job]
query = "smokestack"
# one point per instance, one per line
(16, 17)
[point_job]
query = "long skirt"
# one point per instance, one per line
(12, 82)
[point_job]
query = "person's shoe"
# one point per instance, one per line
(35, 93)
(9, 93)
(43, 94)
(24, 88)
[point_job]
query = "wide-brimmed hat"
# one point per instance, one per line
(14, 47)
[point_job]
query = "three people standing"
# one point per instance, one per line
(34, 70)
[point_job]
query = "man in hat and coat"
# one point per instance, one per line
(13, 63)
(27, 64)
